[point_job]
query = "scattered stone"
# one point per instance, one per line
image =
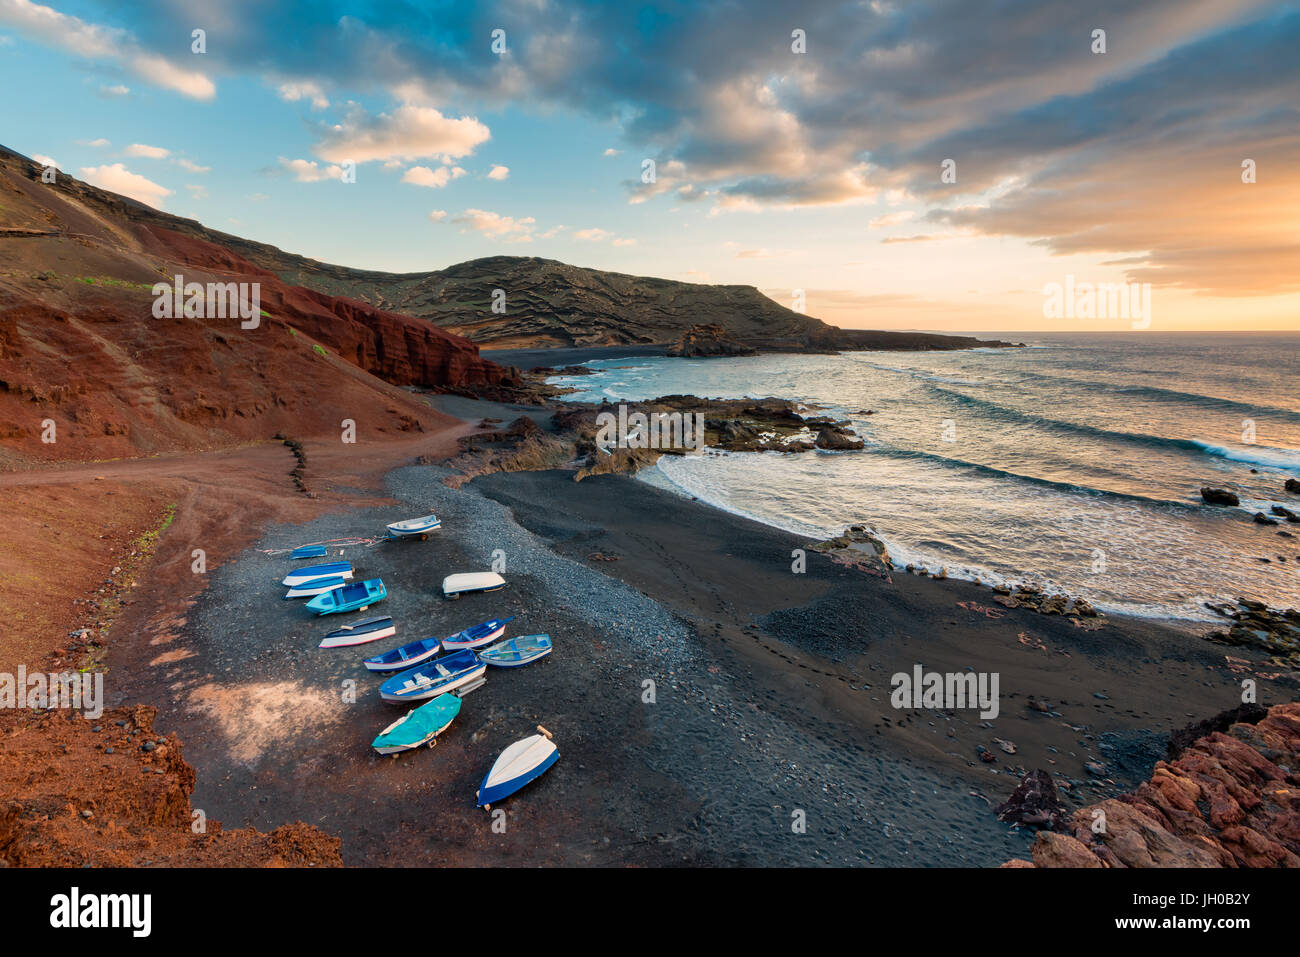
(1034, 803)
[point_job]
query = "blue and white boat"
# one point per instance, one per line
(434, 677)
(405, 656)
(517, 652)
(326, 570)
(413, 527)
(315, 586)
(354, 596)
(520, 764)
(308, 551)
(360, 632)
(478, 635)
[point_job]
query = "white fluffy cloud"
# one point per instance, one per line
(593, 235)
(432, 178)
(497, 226)
(498, 172)
(293, 92)
(148, 152)
(119, 179)
(309, 171)
(409, 132)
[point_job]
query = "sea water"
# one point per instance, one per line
(1075, 463)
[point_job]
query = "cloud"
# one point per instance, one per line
(890, 219)
(118, 90)
(197, 191)
(119, 179)
(98, 144)
(498, 172)
(42, 160)
(497, 226)
(593, 235)
(309, 171)
(191, 166)
(432, 178)
(148, 152)
(293, 92)
(438, 215)
(94, 42)
(409, 132)
(625, 242)
(612, 152)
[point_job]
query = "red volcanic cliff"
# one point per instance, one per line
(87, 371)
(1229, 800)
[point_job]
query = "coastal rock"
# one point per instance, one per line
(1283, 512)
(1255, 625)
(1292, 485)
(709, 339)
(838, 440)
(1034, 803)
(1262, 519)
(1219, 496)
(1229, 800)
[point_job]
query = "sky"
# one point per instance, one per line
(937, 164)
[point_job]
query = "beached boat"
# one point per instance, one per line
(405, 656)
(315, 586)
(516, 652)
(414, 527)
(325, 570)
(424, 649)
(360, 632)
(308, 551)
(421, 726)
(520, 764)
(479, 635)
(354, 596)
(434, 677)
(453, 586)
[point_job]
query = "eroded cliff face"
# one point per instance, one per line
(1230, 800)
(81, 347)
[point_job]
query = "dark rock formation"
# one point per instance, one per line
(707, 340)
(1219, 496)
(1255, 625)
(1183, 738)
(1034, 803)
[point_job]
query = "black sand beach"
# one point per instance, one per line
(771, 692)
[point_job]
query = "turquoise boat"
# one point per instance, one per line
(516, 652)
(353, 596)
(421, 726)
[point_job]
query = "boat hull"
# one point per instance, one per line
(360, 634)
(351, 597)
(416, 684)
(315, 586)
(324, 570)
(527, 769)
(517, 652)
(453, 586)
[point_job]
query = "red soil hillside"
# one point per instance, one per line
(80, 347)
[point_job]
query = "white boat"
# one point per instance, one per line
(522, 762)
(326, 570)
(414, 527)
(360, 632)
(453, 586)
(314, 586)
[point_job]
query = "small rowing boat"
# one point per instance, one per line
(414, 527)
(360, 632)
(308, 551)
(517, 652)
(315, 586)
(481, 634)
(453, 586)
(325, 570)
(421, 726)
(434, 677)
(354, 596)
(520, 764)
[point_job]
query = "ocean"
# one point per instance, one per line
(1075, 463)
